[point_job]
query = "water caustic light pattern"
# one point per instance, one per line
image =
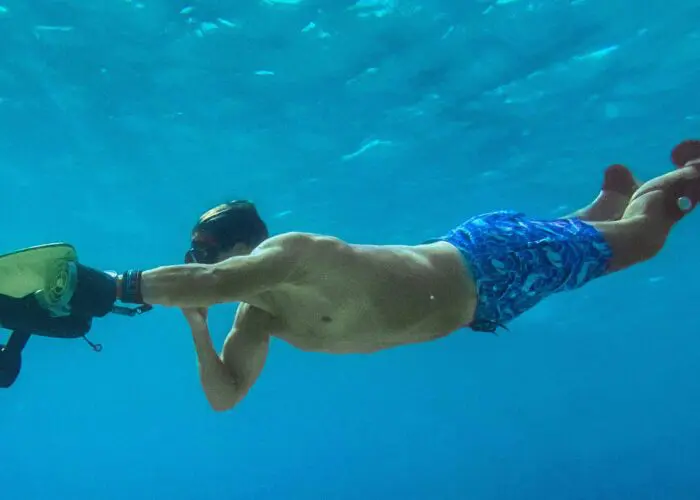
(376, 121)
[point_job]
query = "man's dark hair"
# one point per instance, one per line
(233, 222)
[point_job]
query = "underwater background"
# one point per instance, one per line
(377, 122)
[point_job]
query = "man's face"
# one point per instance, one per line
(206, 249)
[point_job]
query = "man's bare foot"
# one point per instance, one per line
(618, 187)
(654, 209)
(674, 194)
(686, 153)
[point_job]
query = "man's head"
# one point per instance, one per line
(228, 230)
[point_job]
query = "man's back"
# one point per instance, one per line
(361, 298)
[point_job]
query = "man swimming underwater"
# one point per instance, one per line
(322, 294)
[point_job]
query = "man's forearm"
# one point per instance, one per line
(187, 286)
(203, 285)
(191, 285)
(219, 384)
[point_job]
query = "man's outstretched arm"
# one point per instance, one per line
(278, 261)
(233, 280)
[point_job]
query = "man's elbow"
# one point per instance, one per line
(225, 396)
(221, 407)
(222, 403)
(222, 390)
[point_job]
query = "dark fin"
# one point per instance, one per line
(10, 366)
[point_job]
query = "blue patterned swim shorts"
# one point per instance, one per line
(518, 261)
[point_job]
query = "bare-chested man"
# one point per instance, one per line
(322, 294)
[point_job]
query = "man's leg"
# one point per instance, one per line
(653, 210)
(616, 192)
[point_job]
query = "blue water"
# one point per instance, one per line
(377, 122)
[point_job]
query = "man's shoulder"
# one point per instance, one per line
(298, 241)
(305, 252)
